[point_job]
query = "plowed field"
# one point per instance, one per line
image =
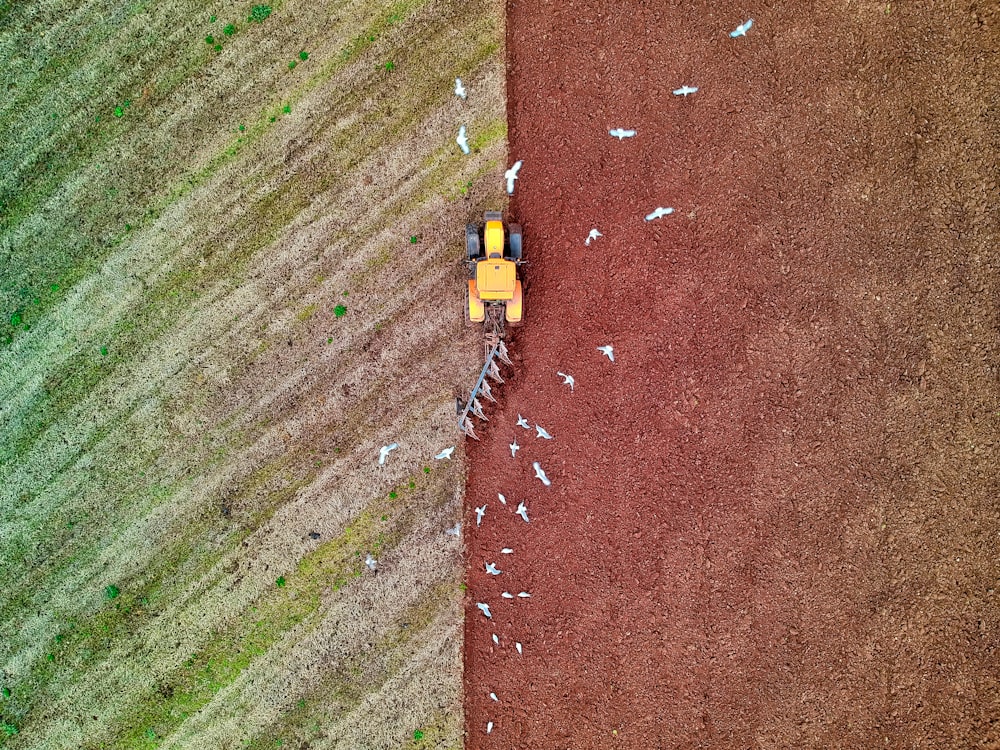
(772, 521)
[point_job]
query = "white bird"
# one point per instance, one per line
(480, 512)
(542, 432)
(485, 609)
(492, 569)
(502, 498)
(522, 511)
(370, 562)
(659, 212)
(685, 90)
(459, 88)
(489, 727)
(495, 639)
(524, 595)
(507, 595)
(541, 474)
(517, 644)
(620, 134)
(608, 351)
(742, 29)
(455, 530)
(383, 453)
(514, 447)
(446, 453)
(510, 175)
(493, 696)
(506, 551)
(522, 422)
(593, 235)
(567, 380)
(462, 141)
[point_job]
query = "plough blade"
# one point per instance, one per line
(477, 409)
(494, 372)
(468, 430)
(487, 391)
(502, 354)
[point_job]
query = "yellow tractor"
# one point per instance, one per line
(493, 257)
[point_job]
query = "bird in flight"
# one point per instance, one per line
(514, 448)
(492, 569)
(370, 562)
(480, 512)
(507, 595)
(685, 90)
(742, 29)
(608, 350)
(621, 134)
(384, 452)
(541, 474)
(485, 609)
(593, 235)
(510, 175)
(522, 511)
(446, 453)
(489, 727)
(459, 88)
(462, 141)
(522, 422)
(496, 640)
(659, 212)
(567, 380)
(506, 551)
(455, 530)
(517, 644)
(524, 595)
(493, 696)
(542, 432)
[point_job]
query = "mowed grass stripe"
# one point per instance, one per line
(190, 305)
(271, 213)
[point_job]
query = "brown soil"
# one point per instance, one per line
(772, 521)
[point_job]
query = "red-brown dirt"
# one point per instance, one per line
(773, 520)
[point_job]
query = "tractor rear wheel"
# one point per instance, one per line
(472, 241)
(515, 241)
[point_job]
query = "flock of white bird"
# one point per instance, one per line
(540, 432)
(522, 510)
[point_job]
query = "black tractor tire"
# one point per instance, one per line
(515, 251)
(472, 248)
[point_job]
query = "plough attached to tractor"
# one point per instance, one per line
(495, 298)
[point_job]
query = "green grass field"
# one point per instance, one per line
(228, 274)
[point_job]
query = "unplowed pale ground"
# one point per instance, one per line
(188, 431)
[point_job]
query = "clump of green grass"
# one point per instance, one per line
(390, 66)
(8, 729)
(339, 311)
(303, 55)
(280, 582)
(291, 65)
(209, 39)
(259, 13)
(417, 734)
(229, 30)
(111, 592)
